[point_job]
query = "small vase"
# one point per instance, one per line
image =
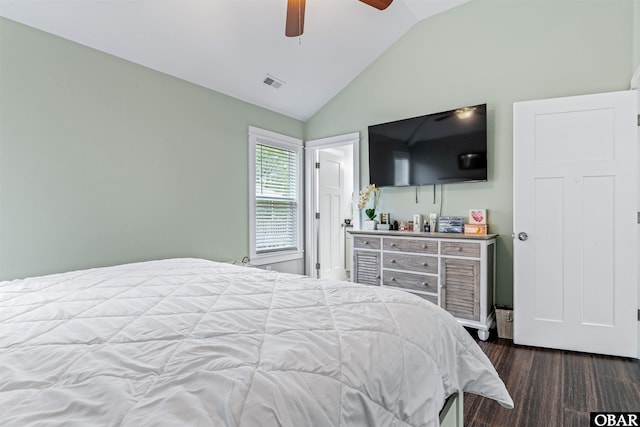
(370, 224)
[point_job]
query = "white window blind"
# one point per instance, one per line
(276, 199)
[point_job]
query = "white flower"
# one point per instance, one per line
(365, 195)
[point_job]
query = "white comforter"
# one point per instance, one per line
(188, 342)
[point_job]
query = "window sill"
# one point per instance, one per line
(263, 259)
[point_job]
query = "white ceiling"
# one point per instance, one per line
(231, 45)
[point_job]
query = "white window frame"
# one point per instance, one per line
(265, 137)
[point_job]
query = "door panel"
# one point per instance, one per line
(575, 196)
(548, 249)
(589, 126)
(598, 260)
(331, 238)
(366, 267)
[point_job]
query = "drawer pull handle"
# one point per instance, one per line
(393, 279)
(458, 249)
(393, 261)
(393, 245)
(424, 264)
(424, 246)
(366, 242)
(424, 284)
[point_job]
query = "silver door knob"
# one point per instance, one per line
(523, 236)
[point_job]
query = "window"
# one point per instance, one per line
(275, 163)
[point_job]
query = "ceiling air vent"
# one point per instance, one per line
(273, 82)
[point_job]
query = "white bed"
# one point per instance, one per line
(193, 342)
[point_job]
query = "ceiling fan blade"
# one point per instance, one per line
(295, 18)
(378, 4)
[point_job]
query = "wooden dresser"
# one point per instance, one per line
(455, 271)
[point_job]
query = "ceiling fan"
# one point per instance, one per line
(295, 14)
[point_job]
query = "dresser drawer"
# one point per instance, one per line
(429, 297)
(467, 249)
(411, 245)
(416, 282)
(366, 242)
(422, 264)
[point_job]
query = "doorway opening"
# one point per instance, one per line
(332, 182)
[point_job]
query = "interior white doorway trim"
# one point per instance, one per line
(313, 203)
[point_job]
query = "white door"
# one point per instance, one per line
(347, 146)
(575, 221)
(331, 207)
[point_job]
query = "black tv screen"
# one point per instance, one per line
(440, 148)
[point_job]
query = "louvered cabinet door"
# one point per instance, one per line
(461, 287)
(367, 267)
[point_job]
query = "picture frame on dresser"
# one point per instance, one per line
(452, 270)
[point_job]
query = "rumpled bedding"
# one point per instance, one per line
(191, 342)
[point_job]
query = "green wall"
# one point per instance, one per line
(103, 161)
(485, 51)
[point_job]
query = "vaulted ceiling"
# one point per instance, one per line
(232, 46)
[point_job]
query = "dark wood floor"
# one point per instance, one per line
(554, 387)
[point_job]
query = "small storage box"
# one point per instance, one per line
(504, 318)
(475, 229)
(450, 224)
